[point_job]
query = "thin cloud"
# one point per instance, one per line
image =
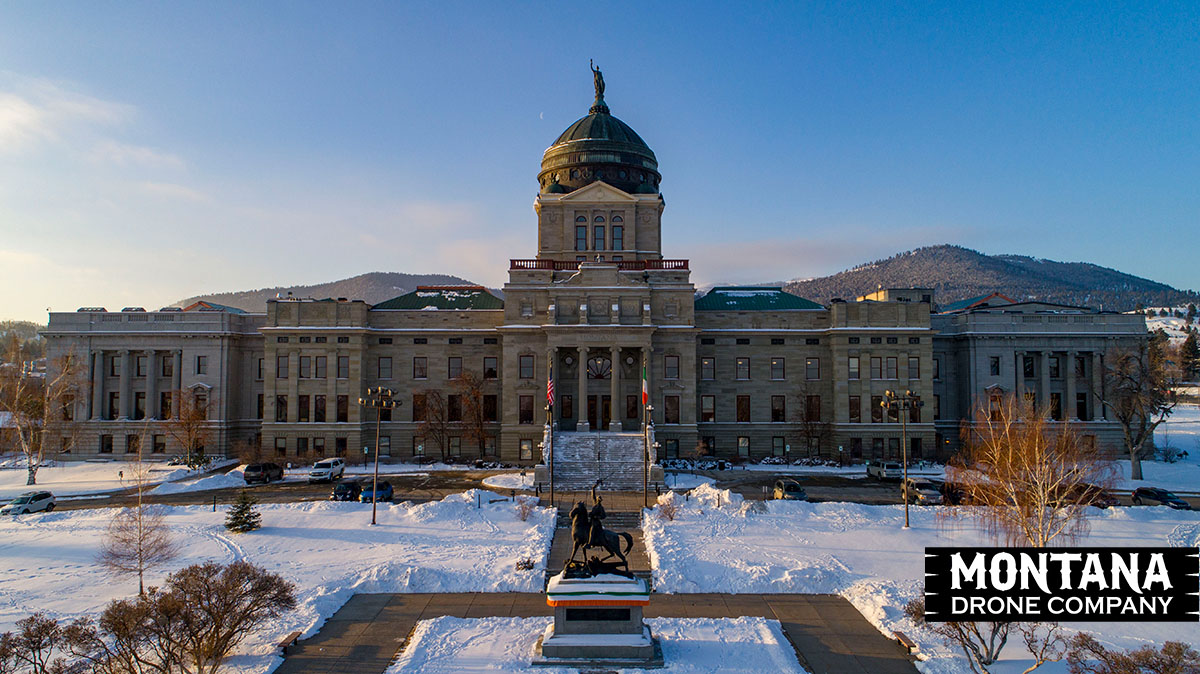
(34, 111)
(109, 151)
(172, 191)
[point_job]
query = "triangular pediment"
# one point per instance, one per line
(599, 191)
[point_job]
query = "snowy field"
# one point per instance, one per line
(506, 645)
(862, 553)
(328, 549)
(510, 481)
(76, 478)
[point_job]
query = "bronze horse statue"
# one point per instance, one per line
(588, 532)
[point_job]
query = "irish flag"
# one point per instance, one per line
(645, 386)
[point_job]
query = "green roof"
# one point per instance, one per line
(429, 298)
(753, 298)
(972, 301)
(205, 305)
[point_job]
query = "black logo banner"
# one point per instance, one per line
(1062, 584)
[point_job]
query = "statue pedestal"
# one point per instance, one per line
(541, 476)
(598, 623)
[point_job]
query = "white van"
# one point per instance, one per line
(327, 470)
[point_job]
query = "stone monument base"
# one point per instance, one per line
(598, 623)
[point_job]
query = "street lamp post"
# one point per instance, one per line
(649, 417)
(902, 405)
(379, 399)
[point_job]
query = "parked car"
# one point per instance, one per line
(29, 502)
(1156, 496)
(952, 494)
(889, 470)
(383, 491)
(924, 492)
(346, 491)
(263, 472)
(1089, 494)
(790, 490)
(327, 470)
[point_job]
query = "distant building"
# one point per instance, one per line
(740, 373)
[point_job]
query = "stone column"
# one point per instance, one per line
(615, 424)
(581, 403)
(1044, 381)
(1099, 409)
(293, 387)
(1071, 407)
(1019, 380)
(151, 385)
(125, 403)
(331, 370)
(97, 385)
(177, 384)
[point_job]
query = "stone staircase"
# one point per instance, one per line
(614, 460)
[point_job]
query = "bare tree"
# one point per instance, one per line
(435, 424)
(189, 426)
(816, 432)
(1044, 641)
(37, 404)
(1088, 656)
(470, 386)
(1033, 478)
(981, 642)
(1138, 392)
(138, 538)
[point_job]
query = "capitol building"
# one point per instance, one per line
(602, 311)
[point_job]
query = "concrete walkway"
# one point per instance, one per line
(829, 635)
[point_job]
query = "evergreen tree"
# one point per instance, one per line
(242, 516)
(1163, 313)
(1189, 356)
(1191, 314)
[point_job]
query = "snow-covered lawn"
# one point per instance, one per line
(74, 478)
(682, 480)
(328, 549)
(505, 645)
(862, 553)
(510, 481)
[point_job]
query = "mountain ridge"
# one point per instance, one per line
(371, 287)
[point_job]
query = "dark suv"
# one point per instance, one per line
(263, 472)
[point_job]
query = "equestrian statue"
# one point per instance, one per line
(587, 531)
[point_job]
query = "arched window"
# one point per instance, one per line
(581, 219)
(599, 218)
(617, 218)
(599, 368)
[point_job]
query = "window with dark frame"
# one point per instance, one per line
(454, 367)
(812, 369)
(855, 408)
(168, 366)
(305, 367)
(777, 369)
(876, 367)
(491, 408)
(302, 403)
(812, 408)
(893, 368)
(281, 367)
(743, 409)
(420, 368)
(525, 409)
(319, 409)
(418, 407)
(877, 409)
(580, 237)
(914, 367)
(385, 367)
(670, 409)
(281, 404)
(526, 449)
(320, 369)
(525, 367)
(280, 446)
(343, 408)
(454, 407)
(778, 409)
(708, 368)
(852, 367)
(670, 367)
(742, 368)
(708, 408)
(201, 364)
(491, 367)
(994, 366)
(343, 365)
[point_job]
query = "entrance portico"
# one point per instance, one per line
(605, 376)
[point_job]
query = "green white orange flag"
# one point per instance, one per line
(645, 386)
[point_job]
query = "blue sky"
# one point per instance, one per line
(150, 151)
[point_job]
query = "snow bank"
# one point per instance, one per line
(509, 481)
(76, 478)
(862, 553)
(232, 479)
(506, 645)
(329, 549)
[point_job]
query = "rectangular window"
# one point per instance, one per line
(320, 340)
(914, 367)
(777, 341)
(454, 367)
(937, 369)
(418, 445)
(385, 445)
(566, 406)
(1056, 406)
(305, 367)
(914, 448)
(321, 364)
(877, 448)
(454, 407)
(708, 369)
(853, 363)
(937, 407)
(631, 407)
(743, 447)
(670, 367)
(139, 405)
(132, 443)
(201, 364)
(343, 364)
(743, 409)
(1027, 367)
(114, 405)
(160, 444)
(994, 366)
(581, 237)
(525, 409)
(777, 369)
(491, 367)
(106, 444)
(812, 408)
(164, 405)
(385, 367)
(418, 407)
(455, 448)
(301, 447)
(778, 409)
(168, 366)
(416, 340)
(1055, 370)
(318, 445)
(876, 367)
(812, 369)
(385, 340)
(339, 443)
(742, 370)
(343, 408)
(855, 407)
(1080, 366)
(140, 366)
(670, 409)
(526, 447)
(1081, 407)
(893, 368)
(491, 340)
(914, 412)
(877, 409)
(302, 408)
(894, 449)
(598, 237)
(778, 446)
(618, 232)
(525, 367)
(454, 340)
(893, 340)
(491, 408)
(893, 414)
(708, 408)
(281, 367)
(671, 447)
(281, 409)
(420, 367)
(319, 409)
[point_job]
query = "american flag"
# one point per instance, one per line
(550, 386)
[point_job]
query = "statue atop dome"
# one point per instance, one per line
(597, 80)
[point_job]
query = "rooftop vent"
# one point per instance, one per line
(92, 309)
(142, 309)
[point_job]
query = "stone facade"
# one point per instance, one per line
(740, 373)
